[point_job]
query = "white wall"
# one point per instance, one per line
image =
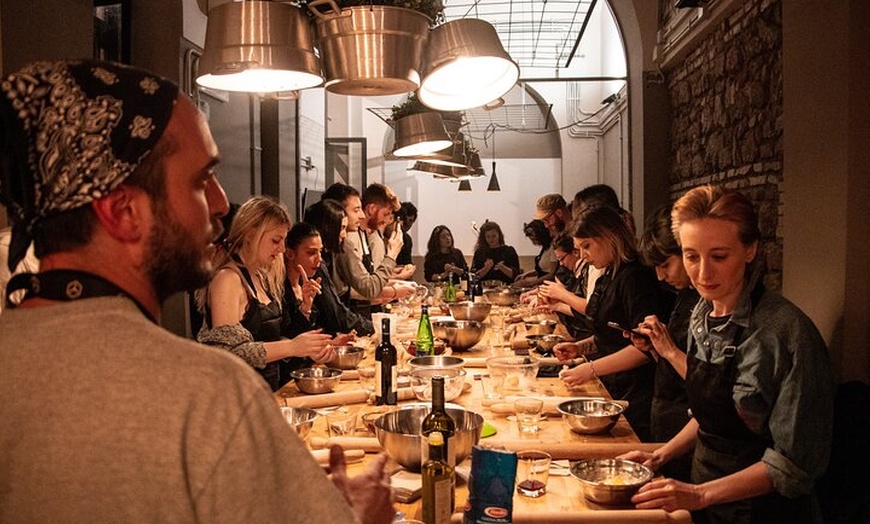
(440, 202)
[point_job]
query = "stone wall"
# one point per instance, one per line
(726, 107)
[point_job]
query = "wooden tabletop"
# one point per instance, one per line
(563, 501)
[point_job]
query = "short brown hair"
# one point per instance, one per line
(719, 203)
(606, 223)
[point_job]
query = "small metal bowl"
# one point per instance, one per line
(610, 481)
(470, 310)
(300, 419)
(589, 417)
(502, 296)
(540, 327)
(460, 335)
(316, 380)
(437, 362)
(346, 357)
(399, 433)
(545, 342)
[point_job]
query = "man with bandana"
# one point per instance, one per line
(107, 417)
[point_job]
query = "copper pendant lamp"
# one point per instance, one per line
(421, 134)
(466, 66)
(259, 47)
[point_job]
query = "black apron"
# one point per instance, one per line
(725, 445)
(264, 323)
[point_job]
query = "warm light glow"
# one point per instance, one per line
(423, 148)
(260, 81)
(468, 82)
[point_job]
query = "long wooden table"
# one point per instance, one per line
(563, 501)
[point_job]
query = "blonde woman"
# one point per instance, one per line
(242, 303)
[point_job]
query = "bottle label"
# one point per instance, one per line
(379, 380)
(443, 501)
(394, 381)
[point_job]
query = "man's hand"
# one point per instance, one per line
(368, 494)
(394, 244)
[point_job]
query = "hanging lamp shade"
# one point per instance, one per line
(258, 47)
(456, 154)
(451, 172)
(465, 185)
(493, 180)
(421, 134)
(466, 66)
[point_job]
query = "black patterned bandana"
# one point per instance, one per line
(71, 133)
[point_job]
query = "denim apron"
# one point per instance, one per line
(725, 445)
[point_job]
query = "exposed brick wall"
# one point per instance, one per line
(726, 107)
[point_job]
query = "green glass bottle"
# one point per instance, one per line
(450, 290)
(425, 342)
(438, 491)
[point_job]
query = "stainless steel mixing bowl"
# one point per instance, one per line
(399, 433)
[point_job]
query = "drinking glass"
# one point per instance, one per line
(528, 412)
(492, 385)
(341, 422)
(533, 472)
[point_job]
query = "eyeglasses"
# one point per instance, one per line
(561, 258)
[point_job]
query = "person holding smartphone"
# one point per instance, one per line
(759, 381)
(625, 293)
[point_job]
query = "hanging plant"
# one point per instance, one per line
(412, 106)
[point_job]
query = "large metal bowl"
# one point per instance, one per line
(459, 334)
(399, 433)
(346, 357)
(300, 419)
(540, 327)
(470, 310)
(589, 417)
(317, 379)
(502, 296)
(610, 481)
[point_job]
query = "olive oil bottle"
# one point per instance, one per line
(438, 491)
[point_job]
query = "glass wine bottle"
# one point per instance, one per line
(439, 420)
(425, 342)
(438, 491)
(386, 375)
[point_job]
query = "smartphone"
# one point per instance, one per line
(629, 332)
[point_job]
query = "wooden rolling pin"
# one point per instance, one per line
(364, 444)
(350, 456)
(507, 408)
(353, 396)
(551, 404)
(349, 374)
(575, 450)
(474, 362)
(594, 516)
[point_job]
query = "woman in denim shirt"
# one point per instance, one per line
(759, 381)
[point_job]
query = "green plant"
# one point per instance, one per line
(412, 105)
